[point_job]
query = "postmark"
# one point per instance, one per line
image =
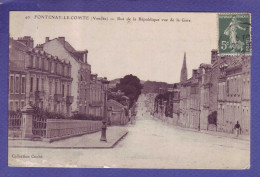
(234, 31)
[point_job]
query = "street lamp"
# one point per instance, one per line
(105, 83)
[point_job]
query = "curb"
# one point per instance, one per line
(107, 147)
(119, 139)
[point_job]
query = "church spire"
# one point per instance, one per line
(184, 74)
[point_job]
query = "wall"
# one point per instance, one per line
(58, 129)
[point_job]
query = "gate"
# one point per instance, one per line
(39, 125)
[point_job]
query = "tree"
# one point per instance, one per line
(131, 86)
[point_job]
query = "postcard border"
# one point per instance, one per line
(131, 6)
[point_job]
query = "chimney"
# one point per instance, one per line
(47, 39)
(194, 73)
(62, 40)
(85, 57)
(214, 54)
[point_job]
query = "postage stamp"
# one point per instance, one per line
(234, 33)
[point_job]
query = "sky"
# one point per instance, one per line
(151, 50)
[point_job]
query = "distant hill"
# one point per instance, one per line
(113, 83)
(153, 86)
(148, 86)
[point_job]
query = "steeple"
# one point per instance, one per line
(184, 74)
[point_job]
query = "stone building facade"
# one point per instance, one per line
(222, 87)
(234, 93)
(205, 86)
(97, 95)
(189, 98)
(176, 101)
(87, 89)
(38, 78)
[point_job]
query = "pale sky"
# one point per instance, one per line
(150, 50)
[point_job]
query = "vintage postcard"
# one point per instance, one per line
(161, 90)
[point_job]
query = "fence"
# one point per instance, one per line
(27, 125)
(14, 121)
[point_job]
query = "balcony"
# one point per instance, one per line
(69, 99)
(58, 97)
(39, 95)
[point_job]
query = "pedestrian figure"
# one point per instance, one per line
(237, 128)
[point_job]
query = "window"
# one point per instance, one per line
(31, 85)
(11, 106)
(50, 66)
(56, 87)
(55, 107)
(16, 105)
(22, 104)
(81, 78)
(63, 90)
(31, 61)
(80, 109)
(17, 84)
(68, 90)
(23, 84)
(40, 63)
(227, 87)
(37, 62)
(50, 87)
(37, 84)
(68, 71)
(43, 67)
(56, 68)
(42, 84)
(11, 84)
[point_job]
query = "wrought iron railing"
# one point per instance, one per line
(14, 121)
(39, 125)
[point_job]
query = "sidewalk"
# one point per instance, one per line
(228, 135)
(213, 133)
(87, 141)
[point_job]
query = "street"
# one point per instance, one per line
(150, 143)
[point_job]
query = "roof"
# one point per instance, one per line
(235, 62)
(206, 66)
(18, 44)
(114, 102)
(77, 55)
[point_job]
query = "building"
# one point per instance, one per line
(220, 90)
(118, 114)
(198, 94)
(184, 93)
(205, 86)
(96, 98)
(36, 77)
(86, 87)
(234, 93)
(176, 102)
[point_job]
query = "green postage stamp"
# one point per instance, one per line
(234, 33)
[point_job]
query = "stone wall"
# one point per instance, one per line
(118, 118)
(60, 129)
